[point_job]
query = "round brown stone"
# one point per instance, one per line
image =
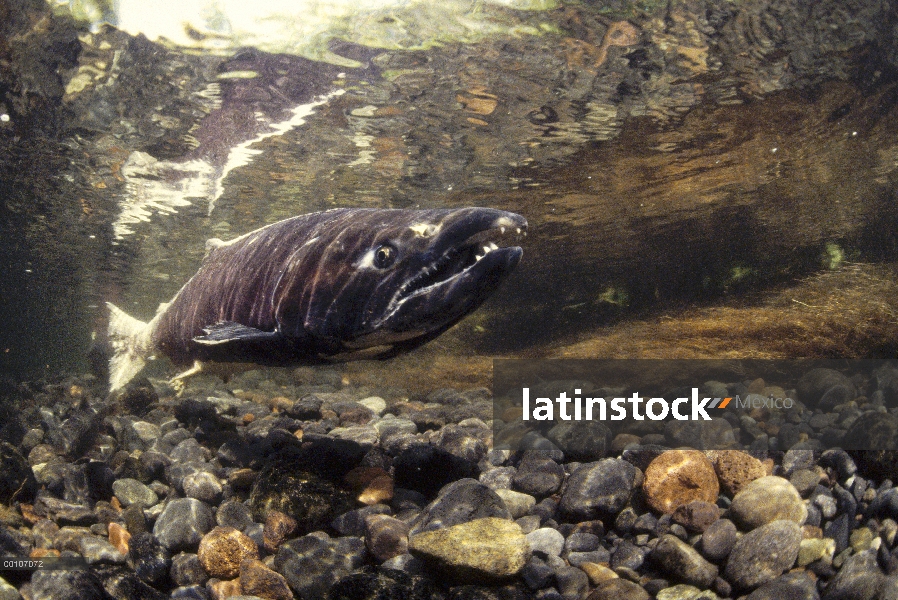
(735, 469)
(223, 549)
(678, 477)
(277, 527)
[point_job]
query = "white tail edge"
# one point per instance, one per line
(129, 339)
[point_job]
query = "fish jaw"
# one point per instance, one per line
(462, 268)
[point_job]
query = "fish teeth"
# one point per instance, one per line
(486, 250)
(493, 246)
(502, 230)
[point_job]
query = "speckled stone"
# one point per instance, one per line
(763, 554)
(598, 490)
(223, 549)
(683, 562)
(859, 579)
(765, 500)
(815, 549)
(277, 527)
(486, 548)
(718, 539)
(258, 580)
(203, 486)
(735, 469)
(678, 477)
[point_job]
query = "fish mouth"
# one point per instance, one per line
(464, 259)
(462, 267)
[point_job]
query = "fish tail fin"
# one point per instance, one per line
(129, 351)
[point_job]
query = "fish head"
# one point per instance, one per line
(398, 278)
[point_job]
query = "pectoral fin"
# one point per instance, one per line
(229, 331)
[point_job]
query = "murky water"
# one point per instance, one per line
(672, 159)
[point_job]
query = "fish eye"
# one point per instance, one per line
(384, 256)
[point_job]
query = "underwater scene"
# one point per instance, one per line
(471, 299)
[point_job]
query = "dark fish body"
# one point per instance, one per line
(325, 285)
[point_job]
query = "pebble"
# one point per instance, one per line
(375, 404)
(791, 586)
(386, 537)
(538, 475)
(765, 500)
(234, 514)
(149, 558)
(814, 549)
(311, 564)
(841, 461)
(572, 583)
(628, 555)
(518, 504)
(8, 592)
(735, 469)
(805, 481)
(818, 381)
(796, 459)
(98, 550)
(383, 584)
(597, 572)
(598, 490)
(277, 528)
(187, 570)
(498, 478)
(203, 486)
(763, 554)
(696, 516)
(678, 477)
(489, 548)
(291, 487)
(131, 491)
(618, 589)
(546, 542)
(681, 561)
(461, 501)
(67, 585)
(582, 541)
(859, 578)
(861, 539)
(583, 441)
(876, 433)
(119, 537)
(183, 523)
(537, 574)
(258, 580)
(223, 549)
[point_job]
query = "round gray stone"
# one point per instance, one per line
(763, 554)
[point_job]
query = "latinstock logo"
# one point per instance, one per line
(590, 409)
